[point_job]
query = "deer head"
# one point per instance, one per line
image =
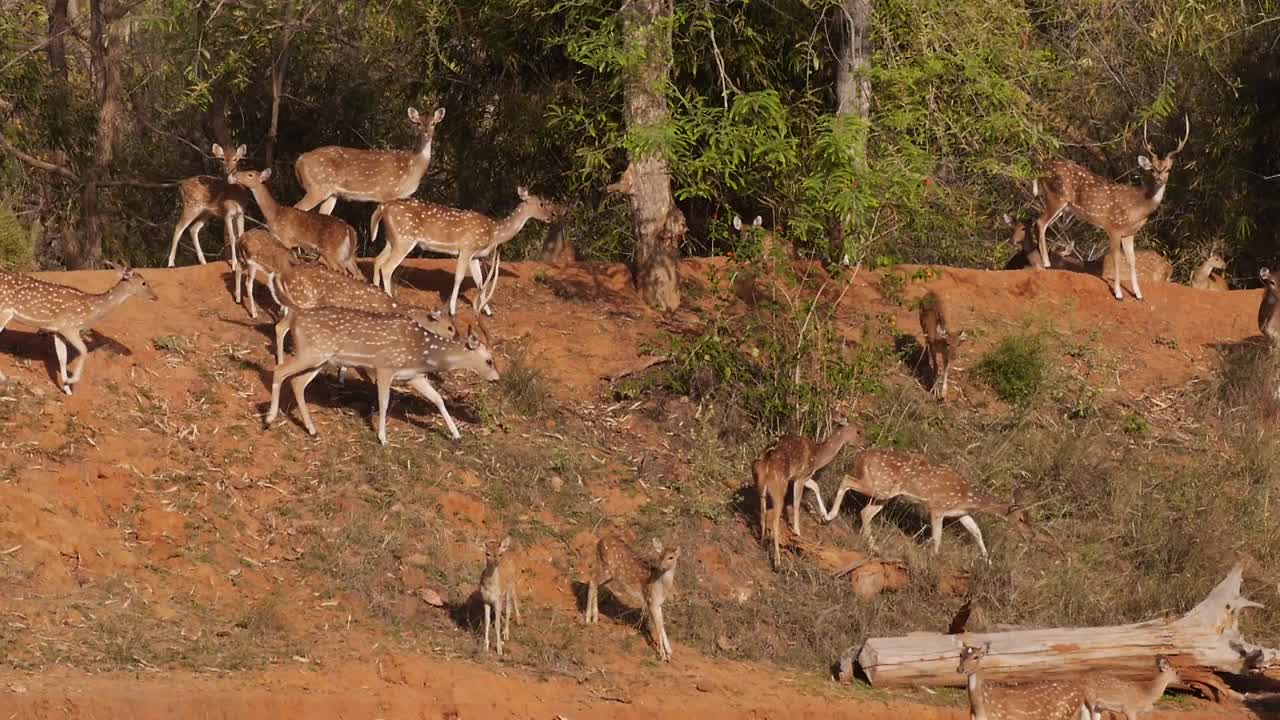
(665, 558)
(970, 655)
(539, 208)
(482, 361)
(1268, 281)
(250, 178)
(1158, 166)
(133, 283)
(426, 126)
(492, 554)
(229, 162)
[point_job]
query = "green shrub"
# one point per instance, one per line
(1016, 368)
(15, 243)
(524, 387)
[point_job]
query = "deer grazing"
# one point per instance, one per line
(331, 172)
(939, 343)
(498, 591)
(1120, 210)
(645, 582)
(467, 234)
(1130, 698)
(205, 197)
(1268, 312)
(260, 253)
(394, 347)
(883, 475)
(329, 236)
(790, 466)
(65, 312)
(1049, 700)
(1206, 277)
(311, 285)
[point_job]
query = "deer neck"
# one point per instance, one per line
(512, 224)
(826, 451)
(1158, 685)
(267, 204)
(106, 302)
(1202, 274)
(1154, 191)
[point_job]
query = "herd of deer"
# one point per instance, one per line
(337, 318)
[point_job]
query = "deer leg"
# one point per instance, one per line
(271, 286)
(393, 261)
(188, 216)
(229, 233)
(849, 483)
(284, 370)
(797, 492)
(423, 386)
(593, 599)
(326, 207)
(869, 512)
(458, 273)
(477, 275)
(764, 506)
(383, 377)
(972, 526)
(194, 232)
(506, 616)
(658, 629)
(812, 485)
(775, 520)
(282, 329)
(935, 528)
(82, 352)
(60, 349)
(1127, 244)
(487, 611)
(515, 600)
(248, 289)
(1043, 222)
(1115, 268)
(310, 200)
(238, 273)
(300, 383)
(5, 317)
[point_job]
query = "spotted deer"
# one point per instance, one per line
(1269, 311)
(1048, 700)
(498, 591)
(883, 475)
(329, 236)
(940, 343)
(312, 285)
(789, 465)
(643, 581)
(331, 172)
(205, 197)
(259, 252)
(1149, 265)
(466, 234)
(1131, 698)
(65, 312)
(394, 347)
(1022, 238)
(1206, 277)
(1120, 210)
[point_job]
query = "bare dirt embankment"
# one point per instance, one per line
(165, 556)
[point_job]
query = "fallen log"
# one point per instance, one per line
(1203, 642)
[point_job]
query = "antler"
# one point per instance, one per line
(1145, 142)
(1185, 136)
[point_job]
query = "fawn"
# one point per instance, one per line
(790, 465)
(260, 252)
(1024, 242)
(882, 475)
(647, 582)
(498, 590)
(65, 312)
(1205, 277)
(1128, 697)
(1049, 700)
(332, 238)
(940, 345)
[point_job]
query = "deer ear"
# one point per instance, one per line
(657, 546)
(435, 314)
(266, 175)
(240, 153)
(1263, 274)
(216, 151)
(438, 116)
(413, 115)
(737, 223)
(1008, 219)
(1144, 162)
(505, 545)
(473, 340)
(758, 222)
(523, 192)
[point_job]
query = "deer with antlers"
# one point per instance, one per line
(64, 311)
(331, 172)
(205, 197)
(883, 475)
(329, 236)
(466, 234)
(1120, 210)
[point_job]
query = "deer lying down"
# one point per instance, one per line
(1206, 277)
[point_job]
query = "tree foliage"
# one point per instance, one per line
(968, 97)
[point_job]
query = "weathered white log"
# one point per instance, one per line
(1204, 641)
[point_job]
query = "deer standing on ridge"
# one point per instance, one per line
(940, 344)
(332, 238)
(498, 591)
(205, 197)
(1118, 209)
(332, 172)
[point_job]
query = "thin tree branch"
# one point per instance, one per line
(36, 162)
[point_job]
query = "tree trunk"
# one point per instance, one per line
(1203, 642)
(658, 224)
(278, 69)
(105, 50)
(853, 68)
(57, 49)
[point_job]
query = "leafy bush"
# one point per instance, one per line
(15, 243)
(1016, 368)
